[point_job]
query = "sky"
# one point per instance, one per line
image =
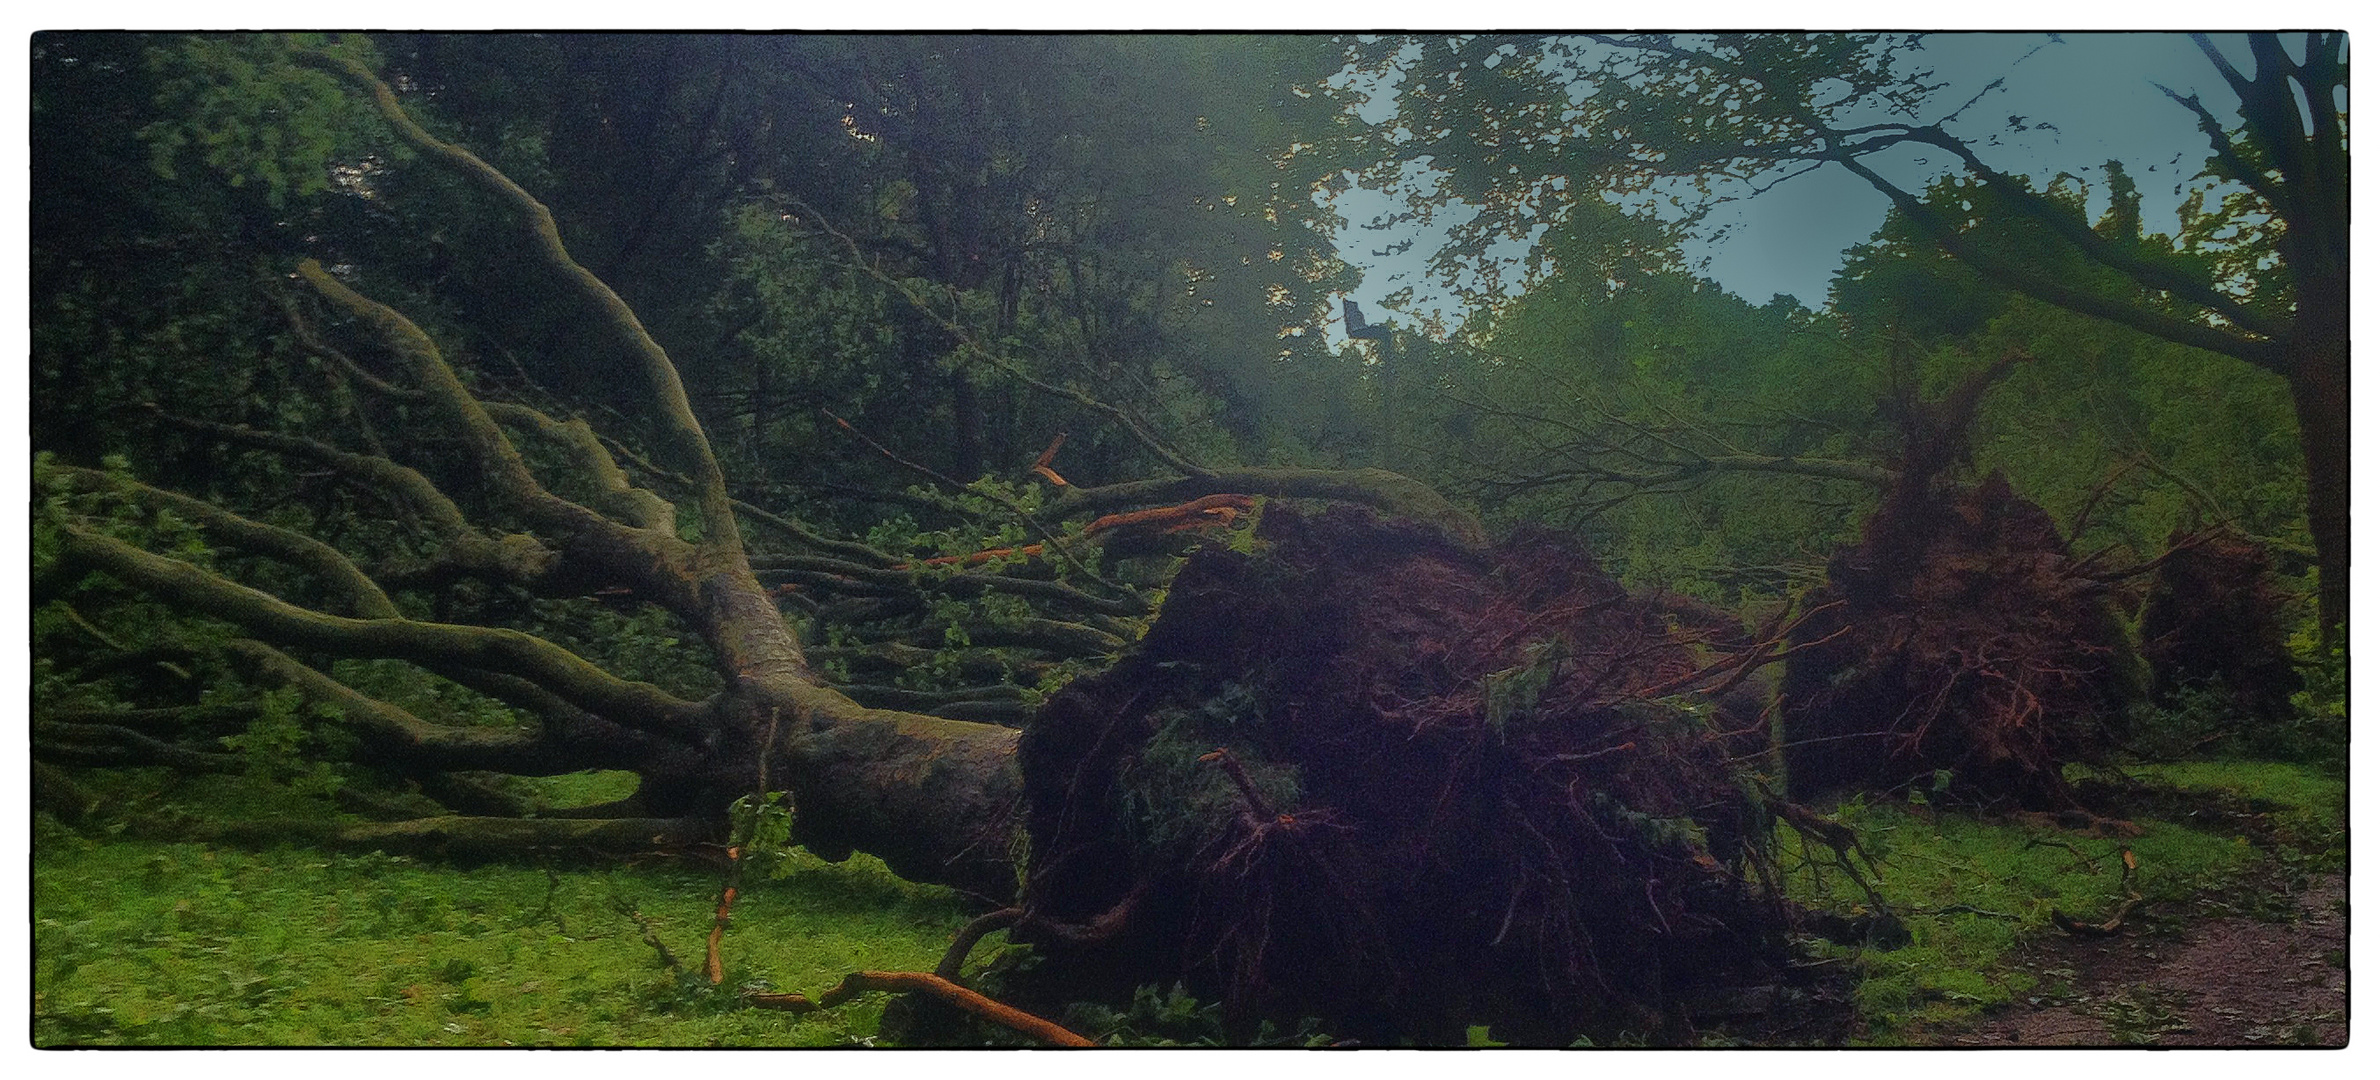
(2098, 90)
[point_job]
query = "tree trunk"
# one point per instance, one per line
(933, 798)
(2318, 384)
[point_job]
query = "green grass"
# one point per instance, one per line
(139, 943)
(2004, 877)
(150, 943)
(2310, 805)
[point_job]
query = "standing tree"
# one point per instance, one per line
(1524, 126)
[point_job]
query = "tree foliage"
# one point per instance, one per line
(1525, 128)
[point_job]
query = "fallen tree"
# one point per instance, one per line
(1367, 767)
(505, 514)
(1959, 645)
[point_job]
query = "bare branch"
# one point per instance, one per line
(1388, 491)
(1048, 537)
(499, 461)
(892, 580)
(313, 341)
(1132, 424)
(786, 526)
(111, 744)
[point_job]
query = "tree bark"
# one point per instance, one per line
(2318, 386)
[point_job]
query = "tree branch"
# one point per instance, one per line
(374, 473)
(405, 738)
(342, 576)
(1398, 495)
(499, 461)
(625, 502)
(2156, 324)
(908, 982)
(680, 428)
(438, 646)
(457, 836)
(111, 744)
(1131, 424)
(2073, 230)
(825, 571)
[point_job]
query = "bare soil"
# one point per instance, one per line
(2227, 981)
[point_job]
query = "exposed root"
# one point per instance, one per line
(1398, 785)
(1958, 646)
(954, 960)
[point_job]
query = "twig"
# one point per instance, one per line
(1031, 522)
(2115, 923)
(1749, 660)
(911, 982)
(645, 926)
(1842, 840)
(1969, 909)
(922, 470)
(2089, 863)
(711, 964)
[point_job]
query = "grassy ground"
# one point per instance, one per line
(148, 943)
(2216, 838)
(180, 944)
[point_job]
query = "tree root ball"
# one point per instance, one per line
(1965, 651)
(2214, 622)
(1367, 775)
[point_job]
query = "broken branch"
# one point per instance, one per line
(913, 982)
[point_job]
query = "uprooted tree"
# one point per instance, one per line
(1368, 773)
(1959, 644)
(499, 496)
(1341, 731)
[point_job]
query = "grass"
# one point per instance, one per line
(1970, 889)
(144, 943)
(156, 944)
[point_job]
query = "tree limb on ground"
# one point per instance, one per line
(911, 982)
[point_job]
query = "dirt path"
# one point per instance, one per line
(2233, 981)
